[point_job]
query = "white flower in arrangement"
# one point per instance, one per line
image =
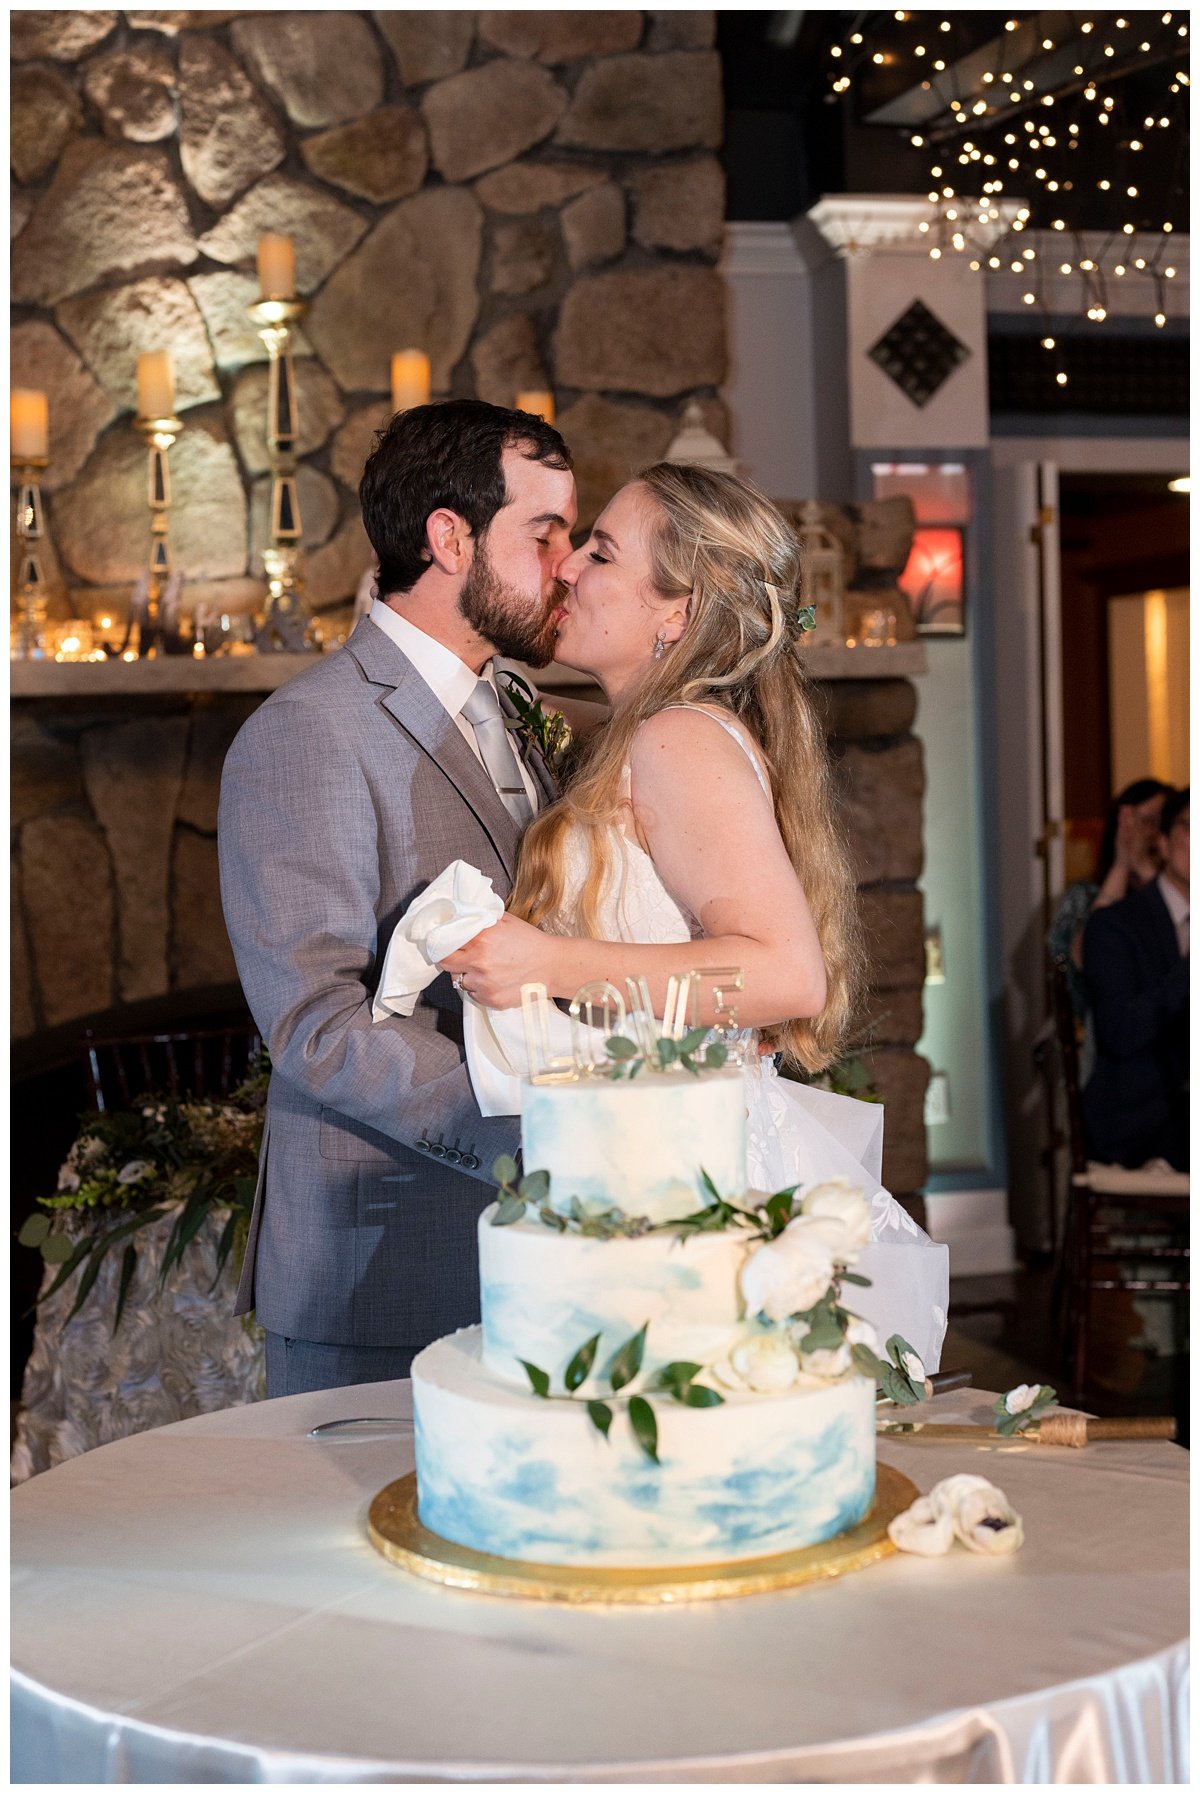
(924, 1529)
(839, 1201)
(831, 1362)
(765, 1363)
(134, 1171)
(789, 1274)
(1022, 1398)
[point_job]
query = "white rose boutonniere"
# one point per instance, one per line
(843, 1204)
(789, 1274)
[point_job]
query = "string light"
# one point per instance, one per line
(1061, 378)
(1047, 342)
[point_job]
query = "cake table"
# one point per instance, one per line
(201, 1603)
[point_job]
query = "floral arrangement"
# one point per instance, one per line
(797, 1333)
(546, 730)
(128, 1168)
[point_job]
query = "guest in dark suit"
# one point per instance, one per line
(1135, 961)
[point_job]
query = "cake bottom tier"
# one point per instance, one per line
(505, 1472)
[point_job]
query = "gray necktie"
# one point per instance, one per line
(482, 711)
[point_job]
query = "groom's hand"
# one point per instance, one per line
(492, 968)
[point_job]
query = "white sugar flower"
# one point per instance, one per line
(831, 1362)
(980, 1514)
(924, 1529)
(1022, 1398)
(789, 1274)
(766, 1363)
(134, 1171)
(912, 1366)
(838, 1200)
(860, 1332)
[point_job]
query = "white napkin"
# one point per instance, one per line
(458, 905)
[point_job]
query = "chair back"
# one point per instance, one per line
(203, 1062)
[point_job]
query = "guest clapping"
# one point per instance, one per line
(1136, 967)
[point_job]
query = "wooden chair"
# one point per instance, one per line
(1116, 1218)
(203, 1062)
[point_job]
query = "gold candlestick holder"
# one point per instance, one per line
(286, 623)
(28, 641)
(155, 633)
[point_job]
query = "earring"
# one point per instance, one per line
(660, 646)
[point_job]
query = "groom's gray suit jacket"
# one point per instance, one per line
(342, 797)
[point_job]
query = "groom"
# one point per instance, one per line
(342, 797)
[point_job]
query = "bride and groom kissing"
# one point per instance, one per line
(702, 807)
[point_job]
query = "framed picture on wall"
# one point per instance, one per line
(933, 579)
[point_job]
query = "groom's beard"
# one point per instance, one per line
(517, 627)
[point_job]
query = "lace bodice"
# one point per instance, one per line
(635, 905)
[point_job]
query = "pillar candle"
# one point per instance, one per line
(155, 384)
(410, 379)
(541, 404)
(276, 267)
(29, 416)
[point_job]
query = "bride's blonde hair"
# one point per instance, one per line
(717, 541)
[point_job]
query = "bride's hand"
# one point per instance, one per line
(492, 968)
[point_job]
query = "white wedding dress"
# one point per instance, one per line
(795, 1134)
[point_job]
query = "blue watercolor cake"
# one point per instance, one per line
(636, 1395)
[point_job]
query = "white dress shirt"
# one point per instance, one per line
(450, 679)
(1180, 905)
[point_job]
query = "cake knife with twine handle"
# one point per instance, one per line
(1067, 1428)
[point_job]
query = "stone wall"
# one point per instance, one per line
(116, 908)
(532, 198)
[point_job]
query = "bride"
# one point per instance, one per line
(704, 809)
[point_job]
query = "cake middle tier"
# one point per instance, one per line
(545, 1293)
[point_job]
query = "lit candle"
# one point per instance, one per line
(155, 384)
(276, 266)
(410, 379)
(541, 404)
(30, 425)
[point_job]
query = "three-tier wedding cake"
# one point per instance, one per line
(664, 1374)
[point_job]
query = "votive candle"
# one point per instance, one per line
(410, 379)
(155, 384)
(541, 404)
(29, 422)
(276, 266)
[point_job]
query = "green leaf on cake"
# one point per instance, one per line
(538, 1378)
(677, 1375)
(716, 1055)
(668, 1051)
(778, 1209)
(628, 1361)
(508, 1210)
(618, 1046)
(600, 1415)
(710, 1186)
(580, 1366)
(645, 1426)
(866, 1361)
(535, 1186)
(695, 1037)
(699, 1395)
(504, 1169)
(853, 1277)
(688, 1065)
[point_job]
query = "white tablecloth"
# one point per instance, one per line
(201, 1603)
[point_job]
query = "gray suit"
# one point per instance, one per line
(345, 794)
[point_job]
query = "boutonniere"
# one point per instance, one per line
(546, 730)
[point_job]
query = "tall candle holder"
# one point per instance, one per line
(29, 593)
(286, 624)
(156, 633)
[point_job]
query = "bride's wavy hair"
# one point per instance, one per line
(718, 542)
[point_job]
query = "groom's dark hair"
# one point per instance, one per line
(438, 457)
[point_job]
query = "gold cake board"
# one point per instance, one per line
(396, 1531)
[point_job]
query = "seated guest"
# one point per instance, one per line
(1135, 963)
(1130, 857)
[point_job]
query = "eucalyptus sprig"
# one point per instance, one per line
(677, 1380)
(627, 1061)
(546, 730)
(530, 1193)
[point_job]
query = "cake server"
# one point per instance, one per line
(362, 1426)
